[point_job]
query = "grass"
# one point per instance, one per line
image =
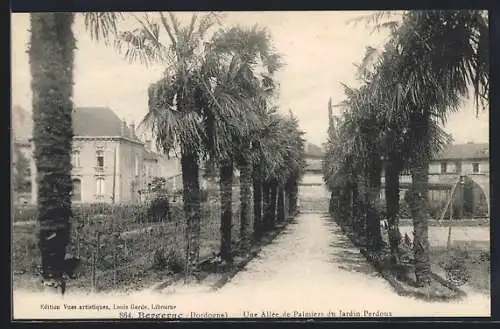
(474, 255)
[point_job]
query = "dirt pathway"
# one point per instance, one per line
(310, 270)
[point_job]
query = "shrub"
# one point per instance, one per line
(159, 209)
(171, 260)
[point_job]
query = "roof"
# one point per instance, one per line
(465, 151)
(150, 155)
(98, 121)
(87, 121)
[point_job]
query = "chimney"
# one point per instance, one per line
(123, 128)
(148, 144)
(132, 128)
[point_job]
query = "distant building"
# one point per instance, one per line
(468, 160)
(313, 174)
(110, 163)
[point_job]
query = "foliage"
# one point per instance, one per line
(159, 208)
(407, 90)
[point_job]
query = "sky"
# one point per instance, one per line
(319, 50)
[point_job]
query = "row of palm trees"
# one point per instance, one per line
(214, 104)
(391, 122)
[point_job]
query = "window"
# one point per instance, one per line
(136, 165)
(475, 167)
(458, 166)
(100, 159)
(443, 167)
(76, 195)
(405, 172)
(75, 159)
(100, 187)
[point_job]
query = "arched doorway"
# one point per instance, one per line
(76, 195)
(471, 200)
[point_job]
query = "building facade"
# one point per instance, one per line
(457, 162)
(110, 163)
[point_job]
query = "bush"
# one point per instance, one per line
(159, 209)
(171, 260)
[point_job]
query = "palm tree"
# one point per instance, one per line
(237, 79)
(248, 46)
(439, 55)
(51, 60)
(180, 104)
(51, 57)
(452, 52)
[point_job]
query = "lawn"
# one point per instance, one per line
(476, 258)
(471, 245)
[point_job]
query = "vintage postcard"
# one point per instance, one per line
(250, 165)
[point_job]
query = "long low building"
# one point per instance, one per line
(469, 160)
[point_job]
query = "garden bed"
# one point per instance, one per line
(118, 248)
(438, 290)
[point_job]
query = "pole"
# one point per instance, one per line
(448, 244)
(114, 177)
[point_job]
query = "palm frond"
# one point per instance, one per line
(102, 25)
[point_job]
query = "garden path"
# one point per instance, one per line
(310, 269)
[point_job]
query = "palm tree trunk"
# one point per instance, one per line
(257, 203)
(392, 204)
(293, 195)
(419, 166)
(281, 204)
(362, 206)
(51, 55)
(273, 203)
(245, 202)
(266, 200)
(373, 218)
(226, 188)
(192, 208)
(418, 208)
(355, 204)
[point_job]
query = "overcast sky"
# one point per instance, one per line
(318, 48)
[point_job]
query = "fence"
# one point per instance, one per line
(121, 245)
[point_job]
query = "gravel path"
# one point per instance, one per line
(310, 270)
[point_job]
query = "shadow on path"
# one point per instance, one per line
(347, 256)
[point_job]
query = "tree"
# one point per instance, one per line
(179, 103)
(442, 54)
(436, 56)
(51, 61)
(253, 50)
(236, 50)
(52, 45)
